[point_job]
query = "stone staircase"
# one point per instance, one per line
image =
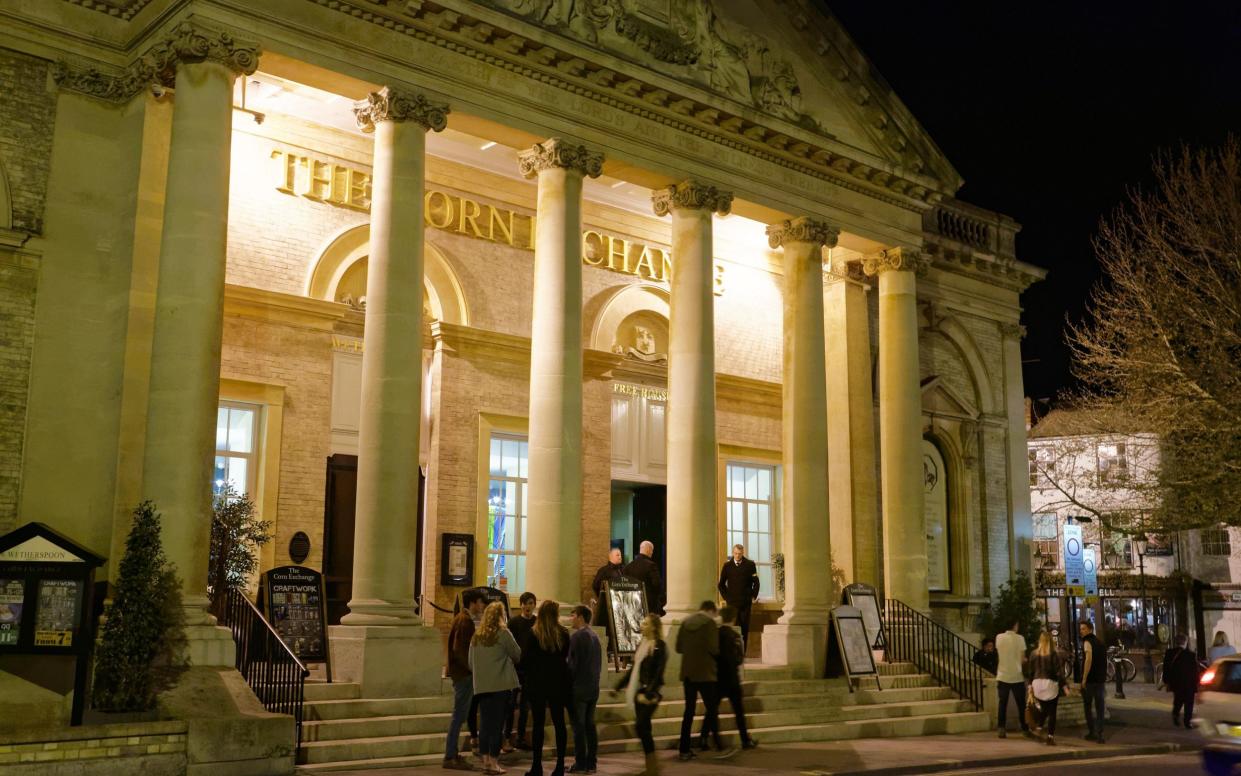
(342, 731)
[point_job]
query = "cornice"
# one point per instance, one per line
(290, 309)
(950, 256)
(120, 9)
(553, 63)
(748, 389)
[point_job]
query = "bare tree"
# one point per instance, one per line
(1161, 349)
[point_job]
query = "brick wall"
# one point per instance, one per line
(300, 360)
(153, 748)
(27, 113)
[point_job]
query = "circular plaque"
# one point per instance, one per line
(299, 547)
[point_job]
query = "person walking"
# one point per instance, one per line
(520, 627)
(739, 588)
(545, 662)
(698, 642)
(459, 638)
(1094, 680)
(585, 665)
(728, 665)
(493, 659)
(1010, 679)
(1047, 683)
(608, 572)
(1180, 676)
(644, 569)
(642, 682)
(1219, 648)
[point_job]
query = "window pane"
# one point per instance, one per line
(240, 430)
(766, 584)
(751, 483)
(219, 474)
(525, 527)
(523, 455)
(764, 484)
(496, 469)
(230, 471)
(221, 428)
(729, 472)
(762, 518)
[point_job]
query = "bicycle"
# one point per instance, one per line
(1116, 656)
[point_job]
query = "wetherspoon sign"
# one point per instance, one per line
(1091, 581)
(1074, 561)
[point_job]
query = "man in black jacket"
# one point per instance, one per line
(644, 569)
(739, 587)
(608, 572)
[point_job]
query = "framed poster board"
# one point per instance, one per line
(850, 644)
(295, 606)
(864, 598)
(456, 559)
(626, 603)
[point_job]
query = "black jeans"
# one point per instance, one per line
(491, 717)
(642, 713)
(1183, 698)
(743, 622)
(733, 694)
(585, 735)
(538, 719)
(1018, 691)
(710, 699)
(1092, 696)
(1049, 712)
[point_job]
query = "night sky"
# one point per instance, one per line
(1050, 111)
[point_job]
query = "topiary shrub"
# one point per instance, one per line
(236, 535)
(141, 648)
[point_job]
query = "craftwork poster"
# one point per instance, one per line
(56, 614)
(295, 607)
(12, 593)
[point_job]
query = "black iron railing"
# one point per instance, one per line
(271, 669)
(912, 637)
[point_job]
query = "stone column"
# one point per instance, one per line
(189, 314)
(1021, 522)
(693, 541)
(900, 426)
(799, 637)
(382, 643)
(553, 541)
(853, 495)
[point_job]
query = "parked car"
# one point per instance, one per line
(1219, 715)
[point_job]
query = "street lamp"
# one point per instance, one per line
(1140, 545)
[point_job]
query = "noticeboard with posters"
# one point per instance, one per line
(626, 610)
(865, 599)
(295, 607)
(848, 647)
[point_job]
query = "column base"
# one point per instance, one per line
(210, 645)
(388, 661)
(366, 611)
(801, 647)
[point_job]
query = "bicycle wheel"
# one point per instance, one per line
(1130, 670)
(1111, 670)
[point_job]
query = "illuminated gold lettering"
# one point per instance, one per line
(431, 209)
(645, 261)
(718, 278)
(358, 190)
(320, 183)
(286, 171)
(665, 267)
(469, 213)
(530, 239)
(494, 219)
(618, 249)
(592, 248)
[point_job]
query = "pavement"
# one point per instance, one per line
(1139, 738)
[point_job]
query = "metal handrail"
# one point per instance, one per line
(912, 637)
(271, 669)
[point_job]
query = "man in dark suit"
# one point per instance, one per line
(739, 587)
(644, 569)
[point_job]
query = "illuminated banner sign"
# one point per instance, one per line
(1091, 575)
(1074, 561)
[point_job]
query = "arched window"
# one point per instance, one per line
(935, 514)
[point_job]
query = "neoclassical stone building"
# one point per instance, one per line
(551, 275)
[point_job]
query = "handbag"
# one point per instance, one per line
(1034, 712)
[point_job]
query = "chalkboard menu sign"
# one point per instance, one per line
(849, 643)
(864, 599)
(295, 608)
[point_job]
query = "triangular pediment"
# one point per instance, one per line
(939, 398)
(788, 60)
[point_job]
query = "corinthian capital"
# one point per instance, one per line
(188, 43)
(896, 259)
(557, 153)
(1013, 331)
(389, 104)
(691, 195)
(802, 229)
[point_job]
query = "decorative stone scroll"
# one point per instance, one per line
(691, 195)
(389, 104)
(898, 259)
(556, 152)
(188, 43)
(802, 229)
(1014, 331)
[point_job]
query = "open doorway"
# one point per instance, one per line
(640, 513)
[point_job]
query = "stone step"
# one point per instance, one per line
(762, 711)
(895, 668)
(336, 691)
(362, 757)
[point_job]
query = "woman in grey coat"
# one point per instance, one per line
(493, 658)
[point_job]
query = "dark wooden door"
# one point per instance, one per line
(650, 523)
(338, 524)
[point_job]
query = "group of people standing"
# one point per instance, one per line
(507, 672)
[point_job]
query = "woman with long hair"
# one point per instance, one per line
(545, 666)
(1220, 647)
(642, 685)
(1048, 683)
(493, 659)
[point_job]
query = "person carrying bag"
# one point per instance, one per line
(1046, 687)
